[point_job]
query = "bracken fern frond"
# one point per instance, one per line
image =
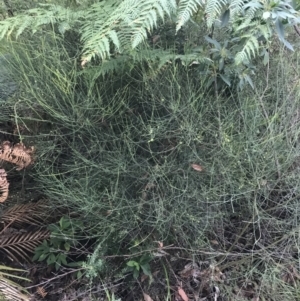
(213, 9)
(186, 8)
(236, 7)
(249, 49)
(126, 25)
(36, 17)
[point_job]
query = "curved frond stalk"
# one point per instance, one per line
(186, 8)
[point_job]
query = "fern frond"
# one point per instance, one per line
(186, 8)
(3, 186)
(213, 9)
(17, 154)
(251, 9)
(20, 215)
(22, 245)
(248, 26)
(126, 24)
(10, 289)
(158, 60)
(236, 7)
(36, 17)
(249, 49)
(106, 67)
(265, 30)
(246, 9)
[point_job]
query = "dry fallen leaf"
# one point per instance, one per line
(197, 167)
(214, 242)
(160, 244)
(182, 294)
(144, 277)
(147, 297)
(155, 38)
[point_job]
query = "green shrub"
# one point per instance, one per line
(119, 151)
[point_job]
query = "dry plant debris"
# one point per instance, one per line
(203, 279)
(41, 291)
(17, 154)
(3, 186)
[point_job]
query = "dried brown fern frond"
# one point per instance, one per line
(21, 215)
(9, 289)
(17, 154)
(21, 245)
(41, 291)
(3, 186)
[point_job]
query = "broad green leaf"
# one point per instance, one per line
(214, 42)
(225, 79)
(266, 58)
(36, 256)
(51, 259)
(43, 257)
(146, 269)
(225, 18)
(67, 246)
(135, 274)
(249, 80)
(57, 266)
(62, 258)
(64, 223)
(145, 259)
(280, 32)
(75, 264)
(133, 263)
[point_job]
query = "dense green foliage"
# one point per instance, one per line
(115, 29)
(146, 146)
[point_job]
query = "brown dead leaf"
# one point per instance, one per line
(182, 294)
(189, 270)
(41, 291)
(160, 244)
(155, 39)
(147, 297)
(214, 242)
(197, 167)
(144, 277)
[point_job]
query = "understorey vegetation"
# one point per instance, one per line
(149, 150)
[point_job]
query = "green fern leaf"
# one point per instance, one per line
(185, 11)
(63, 27)
(250, 49)
(236, 7)
(213, 9)
(114, 38)
(26, 23)
(126, 24)
(138, 37)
